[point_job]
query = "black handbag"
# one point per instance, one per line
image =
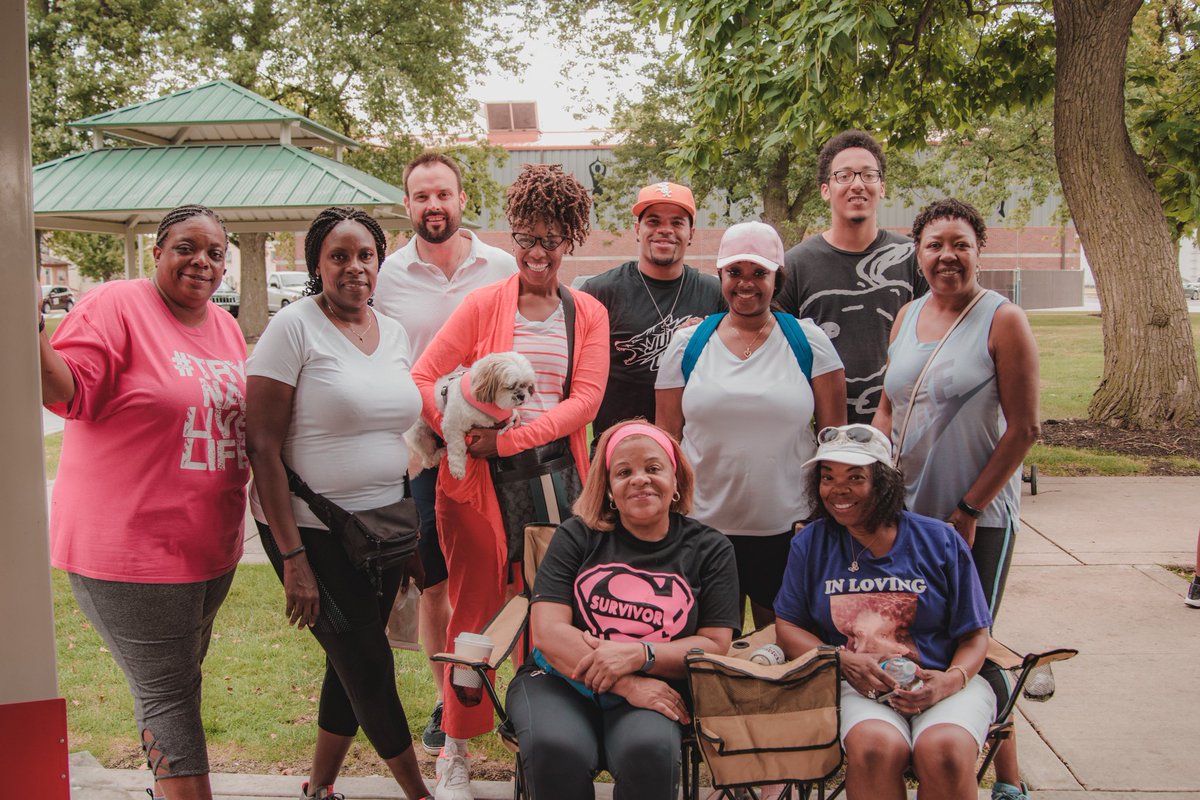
(374, 540)
(539, 484)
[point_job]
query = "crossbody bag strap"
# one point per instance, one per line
(298, 487)
(912, 398)
(568, 304)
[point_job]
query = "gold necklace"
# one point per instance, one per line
(854, 561)
(750, 347)
(366, 330)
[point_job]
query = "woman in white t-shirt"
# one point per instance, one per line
(743, 407)
(330, 395)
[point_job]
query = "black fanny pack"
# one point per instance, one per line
(374, 540)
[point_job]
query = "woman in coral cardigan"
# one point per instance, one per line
(548, 212)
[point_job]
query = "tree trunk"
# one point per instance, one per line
(252, 316)
(777, 209)
(1150, 378)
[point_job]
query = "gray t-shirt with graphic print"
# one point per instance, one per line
(854, 297)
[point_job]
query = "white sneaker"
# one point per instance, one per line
(453, 773)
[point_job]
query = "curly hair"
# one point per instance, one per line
(950, 208)
(325, 222)
(544, 193)
(887, 490)
(844, 141)
(178, 215)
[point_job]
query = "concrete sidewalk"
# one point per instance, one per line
(1086, 574)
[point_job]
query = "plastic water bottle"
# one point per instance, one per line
(903, 671)
(768, 654)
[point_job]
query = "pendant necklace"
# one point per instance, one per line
(750, 347)
(671, 312)
(854, 561)
(366, 330)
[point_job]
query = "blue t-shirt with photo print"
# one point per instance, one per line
(918, 599)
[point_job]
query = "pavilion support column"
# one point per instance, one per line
(132, 267)
(33, 719)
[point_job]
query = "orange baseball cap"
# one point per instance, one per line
(665, 192)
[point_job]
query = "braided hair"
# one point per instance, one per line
(544, 193)
(325, 222)
(178, 215)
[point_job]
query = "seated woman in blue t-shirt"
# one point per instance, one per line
(881, 582)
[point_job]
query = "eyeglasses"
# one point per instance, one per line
(527, 241)
(862, 434)
(844, 176)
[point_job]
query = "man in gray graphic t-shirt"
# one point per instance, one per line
(853, 278)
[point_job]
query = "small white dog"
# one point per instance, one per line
(489, 392)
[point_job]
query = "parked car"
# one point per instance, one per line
(55, 298)
(227, 298)
(1191, 290)
(283, 288)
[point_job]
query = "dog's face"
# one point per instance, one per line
(506, 379)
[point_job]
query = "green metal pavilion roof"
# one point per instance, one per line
(255, 187)
(215, 111)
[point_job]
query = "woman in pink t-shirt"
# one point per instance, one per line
(149, 501)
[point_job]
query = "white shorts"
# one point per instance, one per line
(973, 709)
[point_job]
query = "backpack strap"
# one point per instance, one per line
(797, 341)
(787, 323)
(704, 332)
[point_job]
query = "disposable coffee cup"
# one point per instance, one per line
(466, 682)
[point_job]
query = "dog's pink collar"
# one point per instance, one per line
(491, 409)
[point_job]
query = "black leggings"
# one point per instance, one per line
(569, 738)
(360, 676)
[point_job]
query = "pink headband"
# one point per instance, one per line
(640, 429)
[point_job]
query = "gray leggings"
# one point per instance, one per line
(158, 634)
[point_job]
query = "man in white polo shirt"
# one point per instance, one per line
(420, 286)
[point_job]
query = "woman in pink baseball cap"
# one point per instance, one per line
(743, 388)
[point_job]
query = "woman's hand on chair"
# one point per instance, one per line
(655, 695)
(608, 662)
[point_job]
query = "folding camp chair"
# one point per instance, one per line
(767, 724)
(506, 630)
(1001, 659)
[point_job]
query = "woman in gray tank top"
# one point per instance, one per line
(974, 414)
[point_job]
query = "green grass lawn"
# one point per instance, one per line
(262, 681)
(1071, 350)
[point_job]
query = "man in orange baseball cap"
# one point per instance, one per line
(648, 299)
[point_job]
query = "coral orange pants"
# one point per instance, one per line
(476, 563)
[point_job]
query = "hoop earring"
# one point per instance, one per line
(675, 497)
(612, 503)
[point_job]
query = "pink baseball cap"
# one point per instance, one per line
(756, 242)
(665, 192)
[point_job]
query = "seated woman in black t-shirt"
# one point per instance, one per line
(626, 589)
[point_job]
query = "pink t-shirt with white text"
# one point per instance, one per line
(151, 485)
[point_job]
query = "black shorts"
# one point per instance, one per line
(761, 561)
(429, 547)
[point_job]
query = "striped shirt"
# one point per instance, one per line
(544, 343)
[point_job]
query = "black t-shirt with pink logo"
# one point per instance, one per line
(625, 589)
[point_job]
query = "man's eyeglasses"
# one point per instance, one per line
(845, 176)
(526, 241)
